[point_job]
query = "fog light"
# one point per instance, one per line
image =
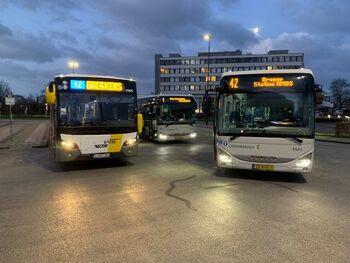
(68, 145)
(130, 142)
(163, 136)
(224, 158)
(193, 135)
(304, 161)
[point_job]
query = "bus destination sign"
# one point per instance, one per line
(180, 100)
(96, 85)
(263, 82)
(175, 100)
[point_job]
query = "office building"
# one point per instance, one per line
(177, 74)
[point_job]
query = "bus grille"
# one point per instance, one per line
(262, 159)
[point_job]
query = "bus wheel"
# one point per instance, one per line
(221, 171)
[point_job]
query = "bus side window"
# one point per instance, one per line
(154, 111)
(146, 112)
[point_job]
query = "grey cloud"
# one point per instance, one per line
(232, 33)
(28, 47)
(5, 31)
(330, 16)
(129, 34)
(36, 4)
(179, 21)
(326, 60)
(322, 16)
(24, 79)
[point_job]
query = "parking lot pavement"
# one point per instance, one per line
(24, 133)
(169, 204)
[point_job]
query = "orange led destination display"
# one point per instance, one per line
(234, 83)
(273, 82)
(104, 86)
(180, 100)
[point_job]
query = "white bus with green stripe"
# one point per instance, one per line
(93, 117)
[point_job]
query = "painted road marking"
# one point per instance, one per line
(37, 135)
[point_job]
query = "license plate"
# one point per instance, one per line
(101, 155)
(266, 167)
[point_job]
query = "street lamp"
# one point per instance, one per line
(73, 65)
(208, 37)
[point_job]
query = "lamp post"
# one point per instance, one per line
(207, 37)
(73, 65)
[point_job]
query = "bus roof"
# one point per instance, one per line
(92, 76)
(164, 95)
(273, 71)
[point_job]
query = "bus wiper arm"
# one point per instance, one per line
(234, 137)
(246, 131)
(297, 139)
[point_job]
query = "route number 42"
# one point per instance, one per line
(234, 83)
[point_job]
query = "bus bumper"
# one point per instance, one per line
(300, 165)
(68, 155)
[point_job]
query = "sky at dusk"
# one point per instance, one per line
(120, 37)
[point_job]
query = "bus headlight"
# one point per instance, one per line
(304, 161)
(193, 135)
(130, 142)
(224, 157)
(68, 145)
(163, 136)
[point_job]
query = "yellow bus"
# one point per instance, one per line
(93, 117)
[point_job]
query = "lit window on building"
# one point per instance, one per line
(211, 78)
(204, 70)
(164, 71)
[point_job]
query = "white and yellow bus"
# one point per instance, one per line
(168, 117)
(93, 117)
(265, 120)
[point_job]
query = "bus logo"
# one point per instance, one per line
(100, 146)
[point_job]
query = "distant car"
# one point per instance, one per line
(339, 112)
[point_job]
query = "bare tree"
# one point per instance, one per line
(4, 90)
(340, 91)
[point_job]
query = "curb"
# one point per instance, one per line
(325, 140)
(4, 124)
(4, 147)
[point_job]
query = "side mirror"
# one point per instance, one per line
(51, 86)
(50, 93)
(319, 94)
(139, 122)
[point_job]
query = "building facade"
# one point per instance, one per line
(176, 74)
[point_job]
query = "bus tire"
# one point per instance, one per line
(221, 171)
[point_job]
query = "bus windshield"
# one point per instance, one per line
(176, 113)
(96, 110)
(267, 111)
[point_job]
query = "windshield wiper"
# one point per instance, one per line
(246, 131)
(296, 139)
